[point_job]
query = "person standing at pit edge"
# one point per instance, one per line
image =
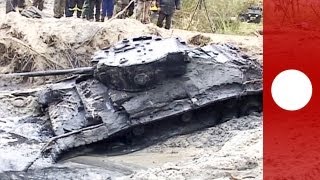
(91, 10)
(121, 5)
(67, 9)
(38, 4)
(11, 5)
(76, 6)
(143, 11)
(107, 9)
(167, 9)
(59, 8)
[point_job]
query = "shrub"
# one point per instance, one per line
(222, 14)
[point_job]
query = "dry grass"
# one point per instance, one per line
(222, 16)
(247, 28)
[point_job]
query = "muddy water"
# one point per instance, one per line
(219, 151)
(141, 159)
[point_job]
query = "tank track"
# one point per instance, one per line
(101, 140)
(130, 140)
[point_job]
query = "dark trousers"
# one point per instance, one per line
(38, 4)
(161, 18)
(59, 8)
(67, 9)
(107, 8)
(76, 6)
(95, 4)
(12, 4)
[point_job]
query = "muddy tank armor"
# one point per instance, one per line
(146, 89)
(140, 63)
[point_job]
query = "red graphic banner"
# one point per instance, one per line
(291, 41)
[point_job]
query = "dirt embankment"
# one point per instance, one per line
(49, 43)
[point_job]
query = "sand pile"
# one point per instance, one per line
(38, 44)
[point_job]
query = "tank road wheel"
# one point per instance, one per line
(138, 131)
(228, 114)
(209, 117)
(252, 104)
(229, 110)
(187, 117)
(141, 79)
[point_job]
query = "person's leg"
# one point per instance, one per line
(161, 19)
(124, 15)
(63, 8)
(109, 8)
(147, 12)
(91, 9)
(85, 8)
(35, 3)
(118, 7)
(41, 5)
(139, 13)
(131, 9)
(168, 21)
(98, 10)
(70, 5)
(104, 9)
(56, 9)
(10, 6)
(15, 3)
(80, 6)
(21, 3)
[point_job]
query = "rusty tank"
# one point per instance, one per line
(137, 92)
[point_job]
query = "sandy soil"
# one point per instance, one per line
(232, 150)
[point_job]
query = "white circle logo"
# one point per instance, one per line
(291, 90)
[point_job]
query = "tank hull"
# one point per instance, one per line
(219, 83)
(223, 85)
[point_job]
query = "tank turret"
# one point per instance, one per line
(133, 65)
(140, 63)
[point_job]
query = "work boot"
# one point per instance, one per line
(102, 18)
(57, 17)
